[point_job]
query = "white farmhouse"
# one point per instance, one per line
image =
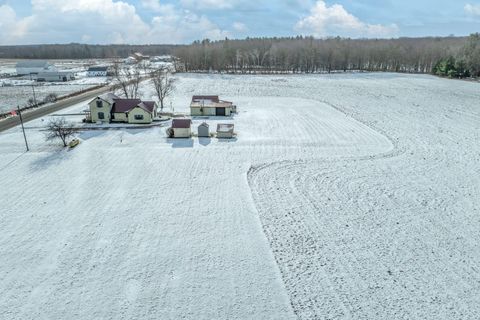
(110, 108)
(97, 72)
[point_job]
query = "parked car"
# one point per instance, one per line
(74, 143)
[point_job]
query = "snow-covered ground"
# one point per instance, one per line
(15, 91)
(14, 96)
(343, 196)
(7, 67)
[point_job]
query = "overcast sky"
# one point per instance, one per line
(182, 21)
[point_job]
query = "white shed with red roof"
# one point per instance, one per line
(182, 128)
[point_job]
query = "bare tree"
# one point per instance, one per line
(51, 97)
(145, 67)
(310, 55)
(31, 102)
(163, 83)
(118, 75)
(134, 77)
(60, 129)
(128, 77)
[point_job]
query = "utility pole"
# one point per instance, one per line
(33, 89)
(23, 128)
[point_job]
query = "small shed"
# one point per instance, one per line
(225, 131)
(182, 128)
(204, 130)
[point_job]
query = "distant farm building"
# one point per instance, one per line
(97, 71)
(54, 76)
(182, 128)
(111, 108)
(135, 58)
(204, 130)
(225, 131)
(34, 67)
(140, 57)
(211, 106)
(165, 58)
(130, 60)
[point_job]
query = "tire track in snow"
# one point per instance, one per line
(332, 274)
(306, 305)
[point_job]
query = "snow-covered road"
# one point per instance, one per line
(346, 196)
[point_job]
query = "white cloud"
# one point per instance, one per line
(103, 22)
(157, 7)
(239, 27)
(335, 20)
(179, 26)
(12, 27)
(472, 9)
(208, 4)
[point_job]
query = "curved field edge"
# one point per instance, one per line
(306, 303)
(374, 237)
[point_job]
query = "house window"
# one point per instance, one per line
(99, 104)
(101, 115)
(139, 117)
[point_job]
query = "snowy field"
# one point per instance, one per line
(342, 197)
(15, 91)
(8, 66)
(14, 96)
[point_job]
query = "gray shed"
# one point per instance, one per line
(204, 130)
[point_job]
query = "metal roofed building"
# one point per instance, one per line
(27, 67)
(211, 106)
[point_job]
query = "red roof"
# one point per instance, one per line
(181, 123)
(126, 105)
(212, 98)
(147, 105)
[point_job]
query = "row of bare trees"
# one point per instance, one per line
(310, 55)
(129, 77)
(80, 51)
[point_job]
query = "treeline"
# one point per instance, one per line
(463, 65)
(81, 51)
(309, 55)
(444, 56)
